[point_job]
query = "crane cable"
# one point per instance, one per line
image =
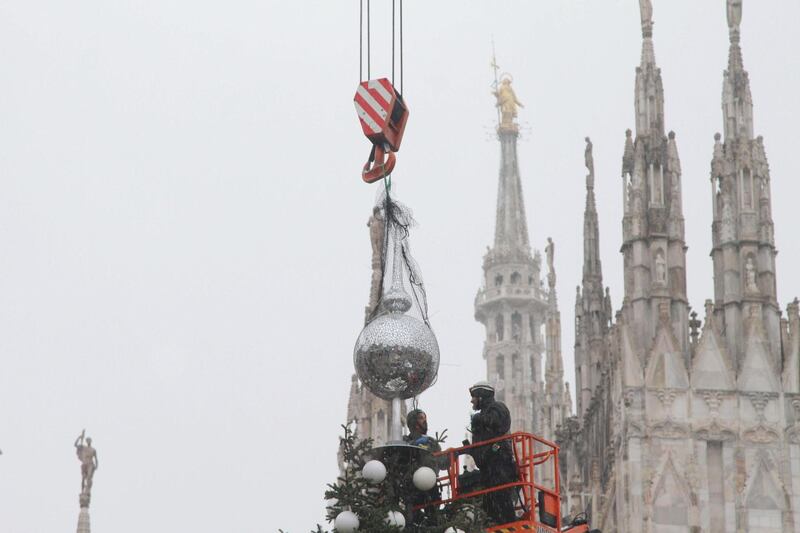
(361, 41)
(369, 41)
(394, 33)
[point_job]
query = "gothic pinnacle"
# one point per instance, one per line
(646, 11)
(734, 17)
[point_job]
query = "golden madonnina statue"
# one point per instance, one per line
(507, 102)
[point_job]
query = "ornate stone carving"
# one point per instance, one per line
(634, 430)
(760, 401)
(761, 434)
(793, 434)
(669, 429)
(713, 400)
(629, 397)
(717, 431)
(796, 407)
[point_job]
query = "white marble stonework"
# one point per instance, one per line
(687, 422)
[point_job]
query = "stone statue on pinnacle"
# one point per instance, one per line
(88, 458)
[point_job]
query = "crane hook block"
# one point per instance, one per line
(383, 115)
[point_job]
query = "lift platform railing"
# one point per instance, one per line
(537, 485)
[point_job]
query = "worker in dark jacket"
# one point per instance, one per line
(495, 461)
(417, 422)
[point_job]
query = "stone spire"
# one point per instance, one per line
(556, 410)
(593, 308)
(592, 268)
(83, 521)
(654, 246)
(511, 228)
(649, 88)
(743, 249)
(737, 101)
(512, 304)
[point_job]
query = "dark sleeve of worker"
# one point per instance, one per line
(497, 419)
(443, 461)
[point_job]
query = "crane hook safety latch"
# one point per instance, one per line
(383, 115)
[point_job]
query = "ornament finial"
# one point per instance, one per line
(396, 299)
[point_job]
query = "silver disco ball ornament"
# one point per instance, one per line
(396, 355)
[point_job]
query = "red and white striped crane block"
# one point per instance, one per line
(382, 112)
(383, 115)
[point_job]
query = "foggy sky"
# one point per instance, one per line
(184, 260)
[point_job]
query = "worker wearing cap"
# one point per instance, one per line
(495, 461)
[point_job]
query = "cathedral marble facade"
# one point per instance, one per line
(687, 423)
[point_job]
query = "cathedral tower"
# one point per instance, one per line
(512, 304)
(653, 244)
(743, 239)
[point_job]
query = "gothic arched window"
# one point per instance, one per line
(656, 180)
(515, 278)
(747, 189)
(498, 280)
(499, 327)
(516, 327)
(500, 367)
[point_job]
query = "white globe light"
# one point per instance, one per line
(424, 478)
(330, 504)
(396, 519)
(451, 529)
(374, 471)
(346, 522)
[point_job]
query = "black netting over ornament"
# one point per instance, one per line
(396, 354)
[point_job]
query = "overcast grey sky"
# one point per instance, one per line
(184, 260)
